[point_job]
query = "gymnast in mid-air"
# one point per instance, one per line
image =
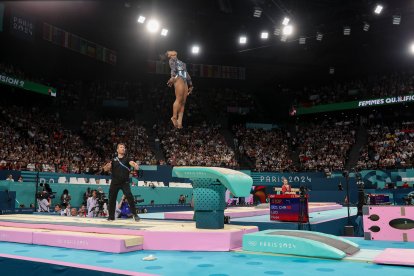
(182, 85)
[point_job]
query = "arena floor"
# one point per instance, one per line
(207, 263)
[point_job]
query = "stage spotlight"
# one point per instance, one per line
(302, 40)
(288, 30)
(378, 9)
(195, 49)
(396, 19)
(277, 31)
(347, 30)
(264, 35)
(153, 26)
(285, 21)
(366, 27)
(257, 12)
(242, 40)
(412, 48)
(164, 32)
(141, 19)
(319, 36)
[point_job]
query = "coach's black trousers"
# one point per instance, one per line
(113, 193)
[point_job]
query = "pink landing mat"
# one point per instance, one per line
(75, 240)
(396, 256)
(389, 223)
(100, 236)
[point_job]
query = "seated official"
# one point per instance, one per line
(286, 187)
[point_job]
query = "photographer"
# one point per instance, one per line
(123, 210)
(409, 199)
(43, 201)
(86, 195)
(181, 199)
(92, 204)
(65, 198)
(48, 189)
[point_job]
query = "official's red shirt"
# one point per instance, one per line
(286, 188)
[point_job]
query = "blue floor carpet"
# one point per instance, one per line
(215, 263)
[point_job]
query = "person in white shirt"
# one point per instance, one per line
(43, 202)
(67, 212)
(31, 167)
(10, 178)
(92, 204)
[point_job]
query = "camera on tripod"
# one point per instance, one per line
(42, 195)
(303, 191)
(46, 193)
(138, 199)
(101, 200)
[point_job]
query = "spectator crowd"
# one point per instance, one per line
(388, 147)
(37, 139)
(268, 149)
(196, 146)
(325, 146)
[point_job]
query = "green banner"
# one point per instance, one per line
(355, 104)
(1, 16)
(27, 85)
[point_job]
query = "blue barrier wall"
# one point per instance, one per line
(25, 192)
(374, 179)
(314, 181)
(396, 195)
(317, 180)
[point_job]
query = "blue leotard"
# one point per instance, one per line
(179, 69)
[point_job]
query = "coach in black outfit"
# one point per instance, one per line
(120, 168)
